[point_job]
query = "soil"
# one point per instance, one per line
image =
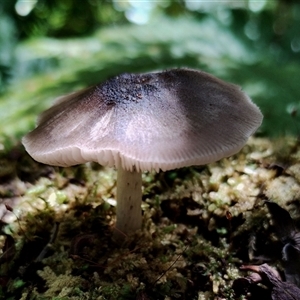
(200, 225)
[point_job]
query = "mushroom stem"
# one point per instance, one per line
(129, 199)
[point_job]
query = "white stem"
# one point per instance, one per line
(129, 200)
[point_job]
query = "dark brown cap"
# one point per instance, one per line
(163, 120)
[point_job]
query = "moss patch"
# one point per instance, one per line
(199, 226)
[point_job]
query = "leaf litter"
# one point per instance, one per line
(200, 225)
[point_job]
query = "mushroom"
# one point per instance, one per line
(142, 122)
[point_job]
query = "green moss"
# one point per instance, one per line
(194, 237)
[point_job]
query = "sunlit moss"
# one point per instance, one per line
(198, 226)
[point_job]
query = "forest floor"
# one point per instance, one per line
(200, 225)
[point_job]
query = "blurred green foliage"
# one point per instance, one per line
(51, 47)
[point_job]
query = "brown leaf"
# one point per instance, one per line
(280, 290)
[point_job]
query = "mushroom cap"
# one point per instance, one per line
(163, 120)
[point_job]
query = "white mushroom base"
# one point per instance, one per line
(129, 200)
